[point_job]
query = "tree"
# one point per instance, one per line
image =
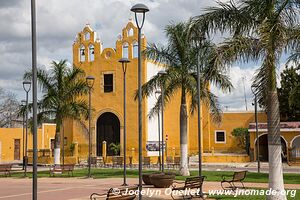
(289, 94)
(180, 58)
(62, 87)
(9, 107)
(243, 137)
(260, 30)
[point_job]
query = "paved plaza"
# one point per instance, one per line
(81, 188)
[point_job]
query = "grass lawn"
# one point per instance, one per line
(211, 175)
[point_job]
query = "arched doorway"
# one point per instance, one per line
(295, 144)
(108, 129)
(263, 148)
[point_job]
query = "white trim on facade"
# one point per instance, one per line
(220, 142)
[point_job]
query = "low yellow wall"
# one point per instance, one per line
(50, 160)
(226, 159)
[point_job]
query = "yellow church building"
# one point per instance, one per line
(219, 145)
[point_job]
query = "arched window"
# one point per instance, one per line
(91, 53)
(87, 36)
(125, 50)
(130, 32)
(135, 50)
(82, 53)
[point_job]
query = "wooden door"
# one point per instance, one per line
(17, 149)
(52, 143)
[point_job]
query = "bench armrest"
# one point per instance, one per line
(177, 182)
(96, 194)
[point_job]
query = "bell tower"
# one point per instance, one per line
(86, 47)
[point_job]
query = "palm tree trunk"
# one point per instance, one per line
(184, 168)
(274, 145)
(57, 144)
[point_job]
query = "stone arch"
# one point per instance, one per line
(91, 53)
(125, 50)
(263, 147)
(108, 129)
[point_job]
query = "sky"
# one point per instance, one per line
(59, 21)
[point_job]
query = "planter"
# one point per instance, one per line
(162, 180)
(146, 178)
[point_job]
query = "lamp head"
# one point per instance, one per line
(157, 93)
(162, 72)
(26, 86)
(124, 62)
(139, 8)
(90, 81)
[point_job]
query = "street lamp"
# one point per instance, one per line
(34, 98)
(197, 75)
(161, 74)
(157, 93)
(253, 89)
(23, 103)
(140, 9)
(26, 87)
(90, 83)
(124, 62)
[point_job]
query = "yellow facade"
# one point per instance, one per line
(105, 61)
(100, 63)
(230, 121)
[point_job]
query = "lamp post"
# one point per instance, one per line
(157, 93)
(161, 74)
(199, 120)
(253, 88)
(90, 83)
(140, 9)
(124, 62)
(34, 98)
(26, 87)
(23, 103)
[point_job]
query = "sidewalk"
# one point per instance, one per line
(80, 188)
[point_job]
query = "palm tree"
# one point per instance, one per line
(261, 31)
(295, 57)
(179, 59)
(62, 87)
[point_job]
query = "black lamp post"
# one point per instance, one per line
(23, 103)
(90, 83)
(124, 62)
(34, 99)
(253, 89)
(157, 93)
(197, 75)
(26, 87)
(162, 73)
(140, 9)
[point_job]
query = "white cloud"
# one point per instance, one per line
(241, 78)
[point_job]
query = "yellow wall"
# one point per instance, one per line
(230, 121)
(106, 61)
(8, 135)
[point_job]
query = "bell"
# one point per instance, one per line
(82, 52)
